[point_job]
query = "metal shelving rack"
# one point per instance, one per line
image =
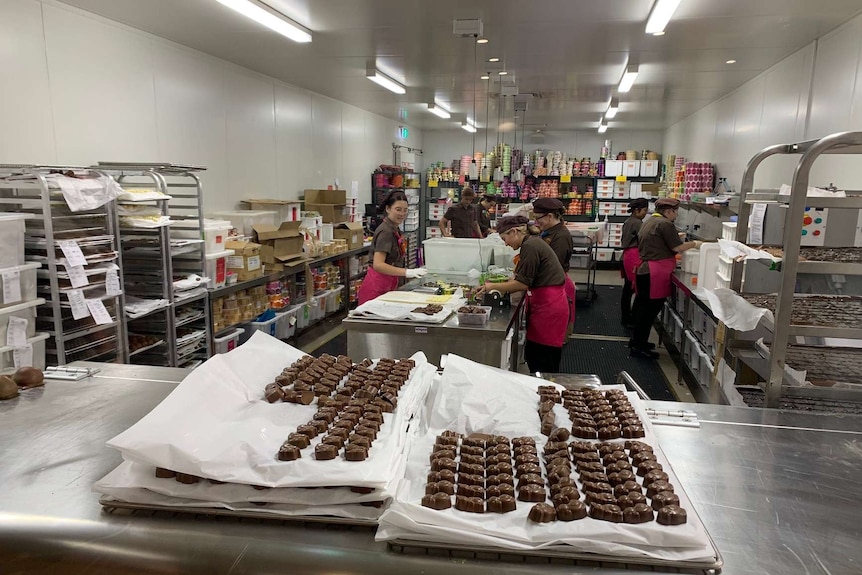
(171, 252)
(796, 203)
(414, 201)
(27, 189)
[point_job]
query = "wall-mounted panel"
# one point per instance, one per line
(835, 80)
(326, 141)
(293, 140)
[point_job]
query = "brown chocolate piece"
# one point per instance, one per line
(630, 486)
(607, 512)
(609, 432)
(473, 459)
(637, 446)
(595, 487)
(584, 432)
(443, 453)
(187, 478)
(643, 456)
(501, 478)
(531, 493)
(658, 487)
(571, 511)
(542, 513)
(469, 504)
(341, 432)
(470, 490)
(163, 473)
(593, 476)
(501, 504)
(497, 458)
(656, 475)
(556, 474)
(619, 466)
(360, 440)
(440, 486)
(319, 426)
(582, 447)
(499, 449)
(549, 423)
(335, 440)
(525, 450)
(566, 495)
(591, 466)
(375, 417)
(498, 468)
(442, 475)
(472, 450)
(450, 433)
(371, 424)
(530, 479)
(528, 468)
(475, 441)
(519, 441)
(301, 397)
(499, 490)
(631, 499)
(288, 452)
(633, 431)
(325, 451)
(614, 456)
(664, 499)
(447, 440)
(309, 431)
(437, 501)
(272, 393)
(300, 440)
(470, 479)
(586, 457)
(600, 498)
(444, 463)
(648, 466)
(526, 458)
(672, 515)
(368, 432)
(559, 434)
(620, 477)
(640, 513)
(471, 469)
(561, 485)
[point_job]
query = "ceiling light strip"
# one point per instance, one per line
(613, 108)
(628, 79)
(661, 13)
(382, 79)
(468, 126)
(439, 111)
(263, 14)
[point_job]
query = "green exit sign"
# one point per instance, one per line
(403, 133)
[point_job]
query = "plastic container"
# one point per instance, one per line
(7, 354)
(458, 254)
(26, 282)
(12, 239)
(228, 342)
(333, 299)
(710, 257)
(215, 235)
(287, 322)
(326, 232)
(579, 261)
(728, 231)
(216, 268)
(604, 254)
(268, 326)
(475, 318)
(245, 220)
(26, 310)
(504, 256)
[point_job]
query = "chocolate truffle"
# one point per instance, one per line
(469, 504)
(571, 511)
(655, 475)
(300, 440)
(499, 490)
(559, 434)
(501, 479)
(470, 479)
(470, 490)
(530, 479)
(640, 513)
(440, 487)
(163, 473)
(627, 487)
(531, 493)
(325, 451)
(501, 504)
(442, 475)
(607, 512)
(356, 453)
(525, 458)
(527, 468)
(642, 456)
(672, 515)
(621, 477)
(633, 431)
(584, 432)
(664, 499)
(437, 501)
(631, 499)
(657, 487)
(542, 513)
(444, 463)
(648, 466)
(288, 452)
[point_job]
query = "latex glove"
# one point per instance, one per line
(415, 273)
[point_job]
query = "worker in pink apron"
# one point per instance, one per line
(540, 274)
(658, 244)
(388, 250)
(631, 257)
(548, 214)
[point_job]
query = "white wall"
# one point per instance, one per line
(77, 89)
(448, 145)
(773, 108)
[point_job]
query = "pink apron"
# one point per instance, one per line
(631, 261)
(660, 272)
(376, 284)
(545, 309)
(570, 295)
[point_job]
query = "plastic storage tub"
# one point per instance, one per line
(268, 326)
(475, 318)
(26, 310)
(228, 342)
(7, 354)
(216, 269)
(333, 299)
(24, 277)
(458, 254)
(245, 220)
(12, 239)
(287, 322)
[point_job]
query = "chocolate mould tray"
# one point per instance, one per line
(821, 311)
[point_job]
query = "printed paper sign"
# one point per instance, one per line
(112, 283)
(100, 314)
(23, 356)
(11, 286)
(16, 331)
(77, 276)
(72, 252)
(78, 303)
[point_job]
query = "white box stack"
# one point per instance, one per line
(621, 190)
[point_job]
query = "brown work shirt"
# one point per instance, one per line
(388, 239)
(656, 240)
(560, 239)
(630, 232)
(462, 218)
(483, 216)
(538, 265)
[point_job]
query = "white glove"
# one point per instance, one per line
(415, 273)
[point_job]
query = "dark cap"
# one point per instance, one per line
(667, 203)
(547, 206)
(638, 204)
(507, 223)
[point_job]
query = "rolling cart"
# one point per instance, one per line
(584, 259)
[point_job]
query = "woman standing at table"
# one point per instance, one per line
(549, 218)
(388, 249)
(658, 244)
(631, 256)
(540, 274)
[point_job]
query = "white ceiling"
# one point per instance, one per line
(571, 52)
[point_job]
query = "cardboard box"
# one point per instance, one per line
(246, 260)
(330, 204)
(352, 232)
(286, 210)
(280, 244)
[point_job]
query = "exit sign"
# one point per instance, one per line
(403, 133)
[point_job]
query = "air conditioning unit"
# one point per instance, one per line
(467, 28)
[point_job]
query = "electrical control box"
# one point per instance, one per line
(821, 227)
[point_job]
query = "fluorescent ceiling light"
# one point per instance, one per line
(660, 15)
(378, 77)
(493, 59)
(613, 108)
(658, 34)
(502, 72)
(439, 111)
(468, 126)
(485, 77)
(263, 14)
(731, 62)
(603, 126)
(482, 41)
(628, 80)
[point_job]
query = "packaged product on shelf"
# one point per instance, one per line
(246, 261)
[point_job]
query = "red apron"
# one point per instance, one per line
(546, 308)
(375, 284)
(570, 295)
(631, 261)
(660, 272)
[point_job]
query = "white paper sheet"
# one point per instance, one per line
(86, 194)
(476, 398)
(736, 313)
(377, 309)
(217, 424)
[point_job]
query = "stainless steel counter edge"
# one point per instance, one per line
(776, 490)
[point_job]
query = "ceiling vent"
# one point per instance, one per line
(467, 28)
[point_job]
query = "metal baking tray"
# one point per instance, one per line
(111, 505)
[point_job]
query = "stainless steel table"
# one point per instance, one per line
(778, 492)
(494, 344)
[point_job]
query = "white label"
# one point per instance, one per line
(74, 255)
(23, 356)
(78, 303)
(77, 276)
(11, 286)
(100, 314)
(755, 223)
(235, 262)
(16, 331)
(112, 283)
(253, 263)
(421, 330)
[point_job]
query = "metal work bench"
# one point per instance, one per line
(776, 490)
